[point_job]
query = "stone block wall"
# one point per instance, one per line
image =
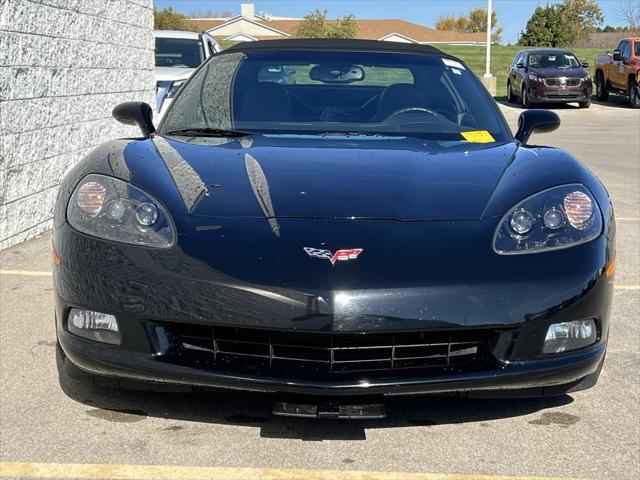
(64, 65)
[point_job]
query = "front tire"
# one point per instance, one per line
(634, 94)
(526, 103)
(601, 87)
(511, 98)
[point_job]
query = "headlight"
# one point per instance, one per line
(535, 78)
(109, 208)
(560, 217)
(175, 86)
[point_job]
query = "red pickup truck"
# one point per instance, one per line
(620, 72)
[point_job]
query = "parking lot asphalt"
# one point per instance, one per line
(590, 434)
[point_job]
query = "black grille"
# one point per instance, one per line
(293, 353)
(562, 82)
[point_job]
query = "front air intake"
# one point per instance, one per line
(300, 354)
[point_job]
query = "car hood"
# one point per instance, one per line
(164, 74)
(577, 72)
(393, 179)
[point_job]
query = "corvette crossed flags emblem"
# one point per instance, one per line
(339, 255)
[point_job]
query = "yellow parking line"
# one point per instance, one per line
(29, 273)
(627, 219)
(158, 472)
(626, 287)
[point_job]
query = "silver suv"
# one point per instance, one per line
(178, 54)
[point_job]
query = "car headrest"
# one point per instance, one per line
(265, 101)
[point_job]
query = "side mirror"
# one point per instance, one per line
(540, 121)
(585, 65)
(617, 55)
(135, 113)
(520, 65)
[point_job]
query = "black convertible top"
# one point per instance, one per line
(335, 44)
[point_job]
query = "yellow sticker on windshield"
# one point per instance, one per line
(478, 136)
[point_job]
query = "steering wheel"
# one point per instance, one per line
(404, 110)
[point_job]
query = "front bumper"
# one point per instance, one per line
(539, 92)
(533, 378)
(506, 303)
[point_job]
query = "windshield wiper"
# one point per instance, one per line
(208, 132)
(343, 133)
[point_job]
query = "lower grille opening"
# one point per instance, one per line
(320, 355)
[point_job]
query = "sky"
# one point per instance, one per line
(512, 14)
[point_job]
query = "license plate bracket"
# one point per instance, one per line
(330, 410)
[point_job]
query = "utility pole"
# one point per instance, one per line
(487, 79)
(487, 71)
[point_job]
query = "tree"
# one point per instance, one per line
(562, 24)
(538, 31)
(168, 19)
(451, 23)
(316, 25)
(612, 29)
(209, 13)
(582, 17)
(629, 12)
(473, 22)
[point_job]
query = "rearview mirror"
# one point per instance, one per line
(617, 55)
(540, 121)
(520, 65)
(337, 73)
(585, 65)
(135, 113)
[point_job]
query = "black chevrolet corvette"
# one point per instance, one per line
(371, 227)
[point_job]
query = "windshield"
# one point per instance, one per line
(327, 92)
(553, 60)
(178, 52)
